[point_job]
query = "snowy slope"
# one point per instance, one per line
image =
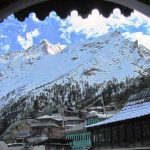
(94, 60)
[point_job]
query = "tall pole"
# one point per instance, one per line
(63, 114)
(63, 119)
(104, 110)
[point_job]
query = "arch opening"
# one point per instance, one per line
(22, 8)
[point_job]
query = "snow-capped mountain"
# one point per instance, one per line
(95, 60)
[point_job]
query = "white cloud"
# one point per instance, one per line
(136, 19)
(3, 36)
(34, 18)
(142, 38)
(96, 25)
(24, 27)
(54, 15)
(6, 48)
(148, 30)
(27, 41)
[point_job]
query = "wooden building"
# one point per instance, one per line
(47, 127)
(67, 121)
(80, 136)
(47, 118)
(47, 130)
(94, 117)
(102, 109)
(53, 144)
(128, 128)
(23, 136)
(68, 112)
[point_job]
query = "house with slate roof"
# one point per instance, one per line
(23, 136)
(69, 121)
(94, 117)
(47, 127)
(81, 138)
(53, 144)
(128, 128)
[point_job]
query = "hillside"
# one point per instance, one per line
(25, 74)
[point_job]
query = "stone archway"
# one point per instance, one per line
(134, 4)
(18, 5)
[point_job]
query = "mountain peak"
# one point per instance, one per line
(44, 41)
(49, 48)
(95, 60)
(44, 47)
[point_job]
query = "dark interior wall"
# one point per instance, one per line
(42, 8)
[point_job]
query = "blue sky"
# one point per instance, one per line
(15, 35)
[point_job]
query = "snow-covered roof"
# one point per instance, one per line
(96, 107)
(99, 115)
(76, 128)
(105, 115)
(138, 105)
(43, 124)
(44, 117)
(66, 118)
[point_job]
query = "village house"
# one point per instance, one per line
(47, 118)
(67, 121)
(128, 128)
(80, 136)
(71, 121)
(53, 144)
(68, 112)
(103, 109)
(94, 117)
(47, 127)
(23, 136)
